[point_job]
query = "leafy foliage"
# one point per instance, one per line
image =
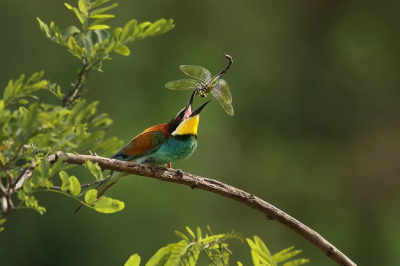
(30, 134)
(94, 43)
(186, 252)
(262, 256)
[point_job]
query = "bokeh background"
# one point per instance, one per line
(316, 130)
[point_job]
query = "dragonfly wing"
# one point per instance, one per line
(223, 89)
(197, 72)
(182, 84)
(227, 106)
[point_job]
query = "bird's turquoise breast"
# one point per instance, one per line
(175, 149)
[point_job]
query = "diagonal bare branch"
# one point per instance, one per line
(213, 186)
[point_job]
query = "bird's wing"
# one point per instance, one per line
(143, 144)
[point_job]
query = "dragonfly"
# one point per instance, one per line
(204, 84)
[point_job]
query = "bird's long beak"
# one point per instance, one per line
(198, 110)
(189, 125)
(188, 107)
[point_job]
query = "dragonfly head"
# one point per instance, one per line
(201, 93)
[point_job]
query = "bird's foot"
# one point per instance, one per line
(195, 185)
(152, 167)
(180, 173)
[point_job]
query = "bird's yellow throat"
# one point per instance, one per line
(188, 127)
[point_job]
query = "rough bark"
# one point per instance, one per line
(213, 186)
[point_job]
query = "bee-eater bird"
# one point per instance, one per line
(160, 144)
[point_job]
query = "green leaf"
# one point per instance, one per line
(44, 28)
(30, 118)
(35, 78)
(79, 15)
(259, 254)
(102, 10)
(68, 6)
(71, 30)
(31, 202)
(116, 33)
(239, 263)
(27, 186)
(264, 258)
(37, 180)
(94, 168)
(58, 166)
(65, 181)
(139, 29)
(98, 3)
(81, 7)
(103, 16)
(108, 205)
(85, 5)
(101, 35)
(190, 232)
(198, 234)
(256, 258)
(23, 111)
(75, 186)
(21, 194)
(154, 27)
(160, 255)
(8, 92)
(40, 85)
(91, 196)
(72, 44)
(89, 111)
(123, 50)
(45, 168)
(2, 221)
(134, 260)
(167, 26)
(99, 27)
(286, 256)
(23, 101)
(281, 253)
(183, 236)
(76, 110)
(128, 30)
(296, 262)
(262, 246)
(211, 239)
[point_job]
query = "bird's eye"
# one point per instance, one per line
(178, 118)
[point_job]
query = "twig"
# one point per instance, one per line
(82, 186)
(216, 187)
(205, 252)
(66, 100)
(92, 184)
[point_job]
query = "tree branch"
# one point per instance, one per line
(213, 186)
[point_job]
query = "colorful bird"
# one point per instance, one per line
(160, 144)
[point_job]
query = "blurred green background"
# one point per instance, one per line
(316, 130)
